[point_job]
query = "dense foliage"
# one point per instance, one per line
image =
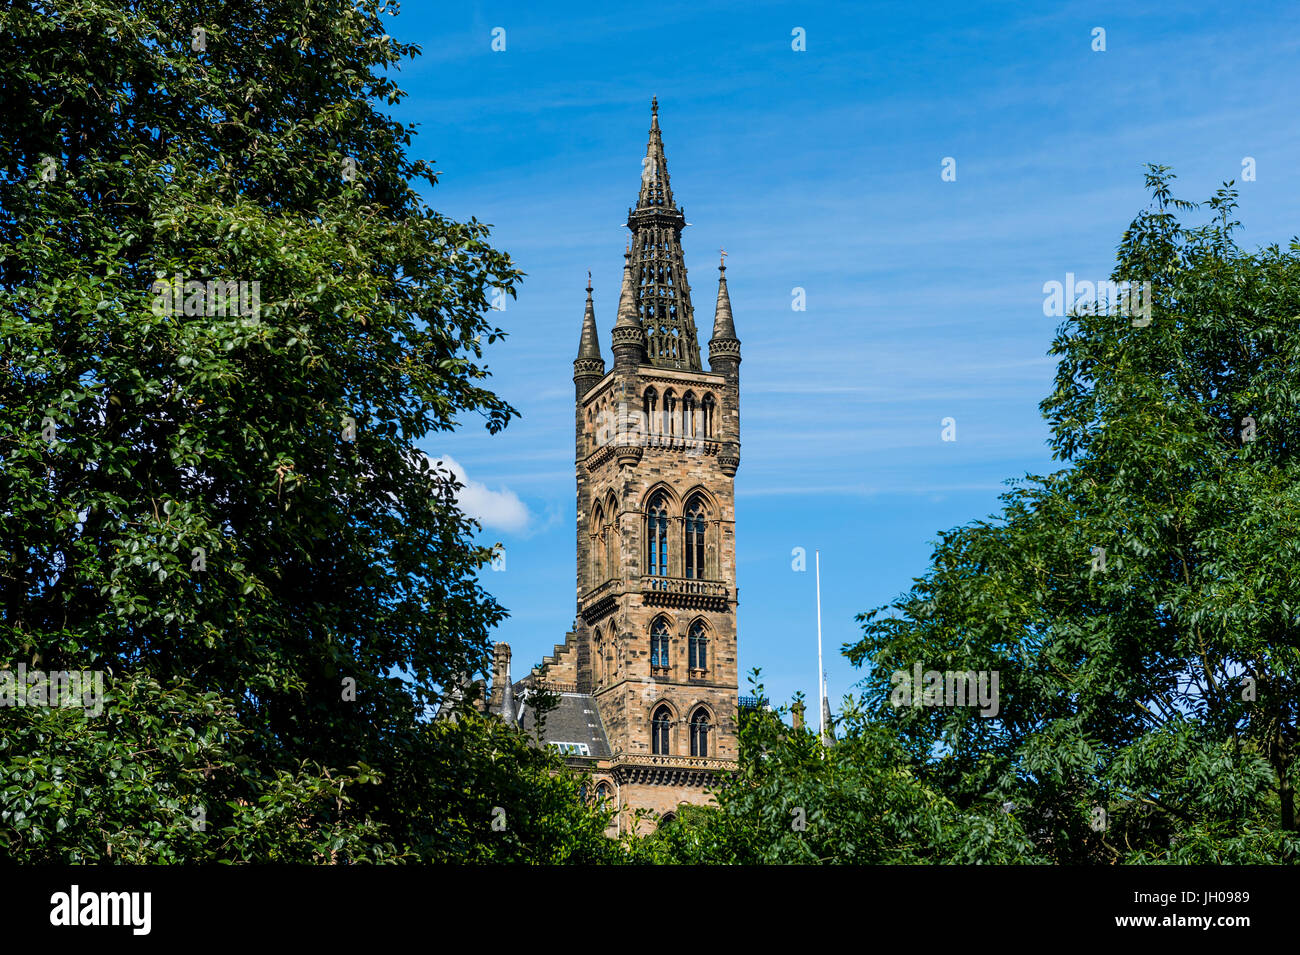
(1141, 606)
(794, 800)
(211, 493)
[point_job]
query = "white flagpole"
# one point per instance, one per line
(821, 674)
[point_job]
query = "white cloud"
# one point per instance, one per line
(501, 509)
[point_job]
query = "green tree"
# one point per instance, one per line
(794, 800)
(1140, 605)
(476, 774)
(227, 319)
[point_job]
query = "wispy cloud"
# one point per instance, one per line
(501, 509)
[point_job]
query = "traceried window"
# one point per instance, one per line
(657, 536)
(700, 733)
(659, 644)
(695, 527)
(659, 727)
(698, 644)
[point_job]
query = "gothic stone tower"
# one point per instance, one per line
(657, 447)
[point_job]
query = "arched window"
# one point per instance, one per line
(709, 408)
(659, 644)
(599, 663)
(651, 408)
(688, 415)
(670, 413)
(695, 526)
(663, 720)
(604, 794)
(698, 642)
(611, 540)
(597, 546)
(657, 536)
(700, 733)
(601, 557)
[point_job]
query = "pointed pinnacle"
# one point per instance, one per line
(627, 297)
(724, 327)
(589, 344)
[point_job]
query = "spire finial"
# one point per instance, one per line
(723, 266)
(588, 283)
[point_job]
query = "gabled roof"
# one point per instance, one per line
(575, 720)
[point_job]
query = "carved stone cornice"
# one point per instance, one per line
(598, 457)
(673, 376)
(663, 442)
(670, 770)
(600, 601)
(685, 592)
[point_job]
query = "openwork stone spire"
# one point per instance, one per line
(655, 189)
(661, 293)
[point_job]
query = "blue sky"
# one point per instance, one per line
(821, 169)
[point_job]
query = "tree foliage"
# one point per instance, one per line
(795, 800)
(1141, 605)
(216, 499)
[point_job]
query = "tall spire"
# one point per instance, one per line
(724, 346)
(589, 366)
(662, 294)
(655, 189)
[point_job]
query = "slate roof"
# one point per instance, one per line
(575, 720)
